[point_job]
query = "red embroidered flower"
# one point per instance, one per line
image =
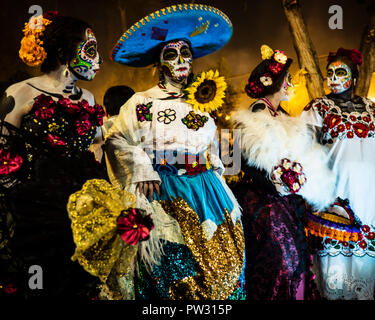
(372, 126)
(83, 124)
(360, 236)
(367, 119)
(360, 130)
(275, 67)
(327, 241)
(365, 228)
(332, 120)
(341, 128)
(371, 236)
(334, 134)
(55, 141)
(363, 244)
(350, 134)
(353, 118)
(70, 107)
(133, 226)
(8, 163)
(348, 125)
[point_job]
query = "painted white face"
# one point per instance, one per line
(87, 60)
(339, 77)
(287, 88)
(176, 60)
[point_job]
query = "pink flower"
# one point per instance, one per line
(133, 226)
(100, 113)
(9, 164)
(55, 141)
(83, 124)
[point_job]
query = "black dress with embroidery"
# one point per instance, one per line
(41, 164)
(277, 254)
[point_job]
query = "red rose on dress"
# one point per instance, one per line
(133, 226)
(44, 107)
(9, 163)
(55, 141)
(70, 107)
(360, 130)
(85, 106)
(332, 120)
(83, 124)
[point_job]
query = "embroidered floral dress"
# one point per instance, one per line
(282, 168)
(41, 164)
(347, 128)
(157, 137)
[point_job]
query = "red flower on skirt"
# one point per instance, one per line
(363, 244)
(371, 236)
(8, 163)
(360, 130)
(133, 226)
(55, 141)
(366, 228)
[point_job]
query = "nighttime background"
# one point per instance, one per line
(254, 23)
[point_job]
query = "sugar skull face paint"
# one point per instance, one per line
(339, 77)
(87, 60)
(288, 88)
(176, 60)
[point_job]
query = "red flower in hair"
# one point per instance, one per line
(133, 226)
(253, 88)
(275, 67)
(51, 15)
(354, 55)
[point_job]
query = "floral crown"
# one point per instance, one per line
(32, 52)
(275, 63)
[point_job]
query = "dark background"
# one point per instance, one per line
(254, 23)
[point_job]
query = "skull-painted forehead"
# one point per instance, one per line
(87, 60)
(339, 77)
(176, 59)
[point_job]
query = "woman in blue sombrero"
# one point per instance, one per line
(160, 149)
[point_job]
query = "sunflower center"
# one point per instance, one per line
(206, 91)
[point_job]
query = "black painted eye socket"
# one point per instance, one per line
(329, 73)
(90, 49)
(185, 52)
(341, 72)
(170, 54)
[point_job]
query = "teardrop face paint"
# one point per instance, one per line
(87, 60)
(176, 60)
(339, 77)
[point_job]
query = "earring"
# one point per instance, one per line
(66, 72)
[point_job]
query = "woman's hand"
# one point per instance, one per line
(147, 188)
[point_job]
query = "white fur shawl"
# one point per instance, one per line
(266, 140)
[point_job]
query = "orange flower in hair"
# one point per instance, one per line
(32, 52)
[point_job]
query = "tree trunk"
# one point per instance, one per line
(367, 48)
(307, 57)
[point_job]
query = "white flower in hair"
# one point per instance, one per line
(266, 80)
(280, 57)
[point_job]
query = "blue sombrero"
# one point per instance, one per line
(205, 27)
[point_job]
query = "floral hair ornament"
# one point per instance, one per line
(32, 52)
(207, 92)
(354, 55)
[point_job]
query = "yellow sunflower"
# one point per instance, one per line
(207, 92)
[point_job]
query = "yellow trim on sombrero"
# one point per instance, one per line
(319, 230)
(181, 7)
